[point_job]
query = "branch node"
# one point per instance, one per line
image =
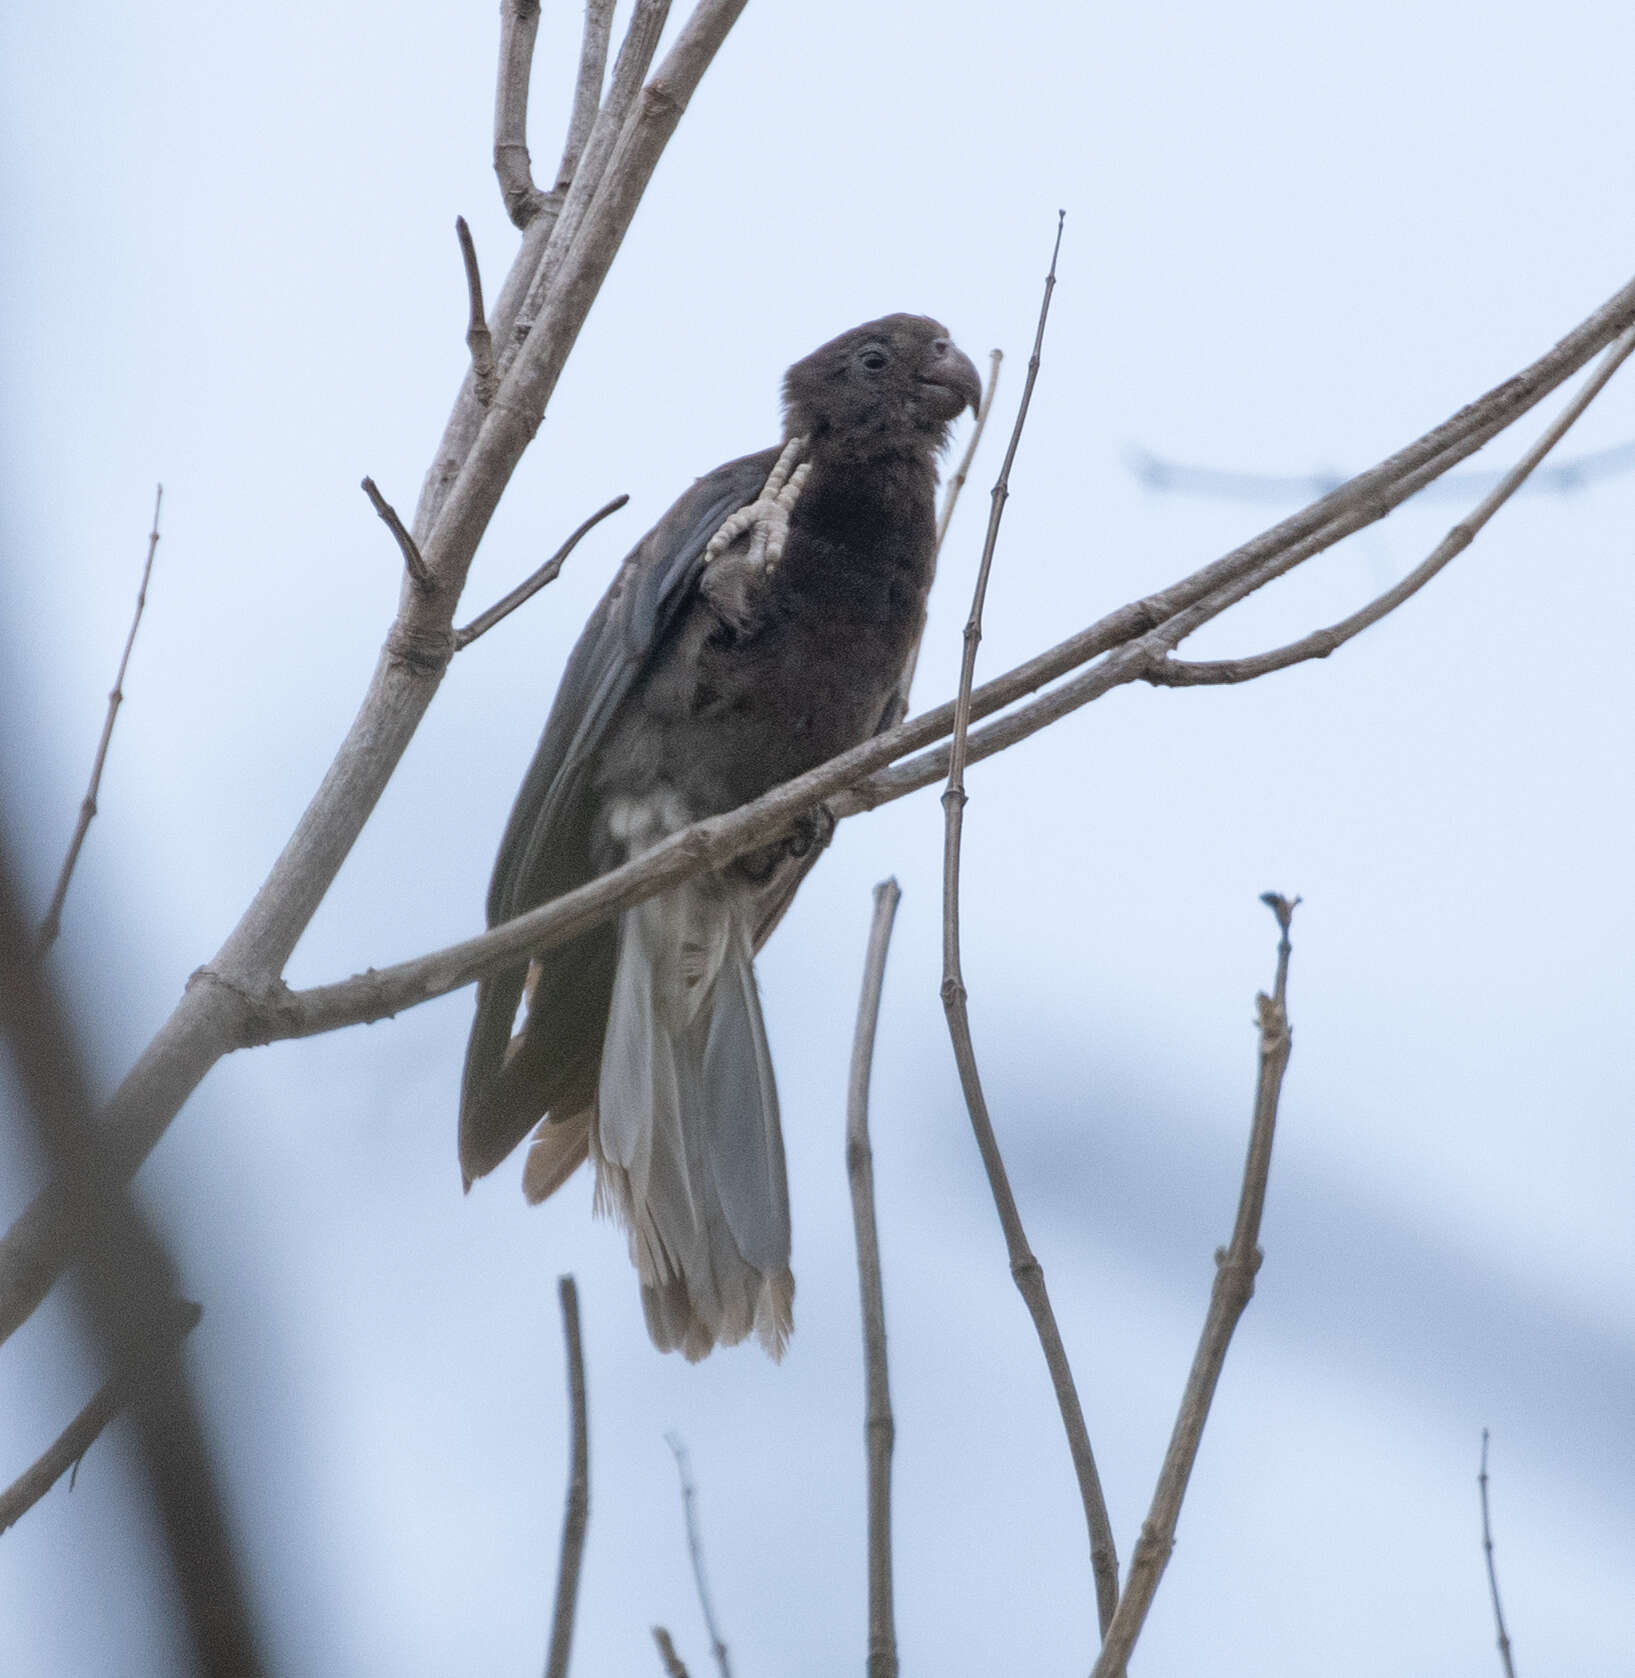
(485, 381)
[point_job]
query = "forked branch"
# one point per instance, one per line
(1235, 1268)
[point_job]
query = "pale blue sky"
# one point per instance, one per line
(1297, 237)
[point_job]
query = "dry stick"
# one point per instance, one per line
(238, 999)
(576, 1514)
(1492, 1576)
(128, 1302)
(1171, 672)
(1235, 1268)
(413, 561)
(484, 379)
(950, 497)
(530, 586)
(673, 1666)
(695, 1549)
(879, 1429)
(1026, 1270)
(587, 93)
(456, 504)
(519, 24)
(52, 924)
(67, 1451)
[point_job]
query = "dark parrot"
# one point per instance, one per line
(762, 626)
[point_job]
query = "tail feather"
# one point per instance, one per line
(686, 1140)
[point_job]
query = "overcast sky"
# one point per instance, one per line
(1297, 237)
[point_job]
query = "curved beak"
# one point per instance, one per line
(952, 370)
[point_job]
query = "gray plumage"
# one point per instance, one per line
(707, 675)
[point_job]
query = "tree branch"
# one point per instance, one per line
(1235, 1268)
(1026, 1270)
(576, 1514)
(587, 93)
(695, 1550)
(530, 586)
(879, 1428)
(413, 563)
(52, 924)
(673, 1665)
(456, 505)
(484, 379)
(519, 24)
(1492, 1575)
(68, 1449)
(1171, 672)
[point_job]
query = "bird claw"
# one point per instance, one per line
(766, 518)
(812, 832)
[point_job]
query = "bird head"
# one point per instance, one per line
(889, 386)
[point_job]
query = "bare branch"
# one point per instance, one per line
(129, 1305)
(576, 1515)
(673, 1666)
(950, 496)
(237, 1000)
(587, 93)
(1235, 1268)
(519, 24)
(413, 563)
(530, 586)
(1492, 1575)
(1026, 1270)
(879, 1428)
(66, 1452)
(52, 924)
(695, 1549)
(485, 380)
(1170, 672)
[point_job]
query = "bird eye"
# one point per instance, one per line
(874, 360)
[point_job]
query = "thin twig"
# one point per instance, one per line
(576, 1514)
(52, 924)
(950, 496)
(1026, 1270)
(129, 1305)
(673, 1665)
(1492, 1575)
(237, 998)
(899, 705)
(519, 24)
(413, 561)
(485, 380)
(879, 1427)
(1235, 1268)
(587, 92)
(695, 1550)
(527, 589)
(66, 1452)
(1172, 672)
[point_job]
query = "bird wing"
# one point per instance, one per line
(545, 850)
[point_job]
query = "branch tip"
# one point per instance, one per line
(419, 573)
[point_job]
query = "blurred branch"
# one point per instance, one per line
(128, 1303)
(1171, 672)
(52, 924)
(479, 341)
(530, 586)
(1492, 1575)
(673, 1666)
(1026, 1270)
(695, 1550)
(70, 1446)
(1172, 477)
(1235, 1268)
(576, 1515)
(879, 1429)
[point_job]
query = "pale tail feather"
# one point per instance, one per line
(558, 1149)
(687, 1145)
